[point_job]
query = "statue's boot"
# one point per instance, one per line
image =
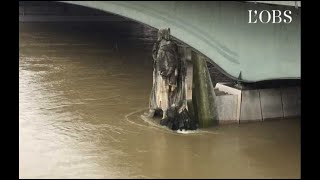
(150, 114)
(164, 121)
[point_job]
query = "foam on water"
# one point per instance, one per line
(154, 124)
(187, 131)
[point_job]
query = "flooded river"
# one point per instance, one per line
(82, 89)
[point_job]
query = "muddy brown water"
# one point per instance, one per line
(82, 89)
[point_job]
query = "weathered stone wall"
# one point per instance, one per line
(258, 104)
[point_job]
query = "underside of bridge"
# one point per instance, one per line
(221, 31)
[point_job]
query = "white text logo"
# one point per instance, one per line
(264, 16)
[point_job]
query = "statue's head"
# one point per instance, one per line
(164, 34)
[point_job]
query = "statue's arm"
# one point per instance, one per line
(170, 71)
(155, 50)
(172, 58)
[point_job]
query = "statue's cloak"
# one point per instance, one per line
(169, 71)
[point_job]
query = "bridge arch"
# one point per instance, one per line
(220, 31)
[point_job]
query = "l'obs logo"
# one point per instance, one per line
(264, 16)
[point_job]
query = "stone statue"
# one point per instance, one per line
(168, 91)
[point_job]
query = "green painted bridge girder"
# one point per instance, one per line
(220, 31)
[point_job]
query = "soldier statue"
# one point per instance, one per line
(168, 91)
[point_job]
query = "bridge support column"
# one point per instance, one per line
(203, 95)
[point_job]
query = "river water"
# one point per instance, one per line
(82, 89)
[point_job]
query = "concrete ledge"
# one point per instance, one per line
(271, 105)
(223, 87)
(257, 105)
(227, 109)
(291, 101)
(250, 106)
